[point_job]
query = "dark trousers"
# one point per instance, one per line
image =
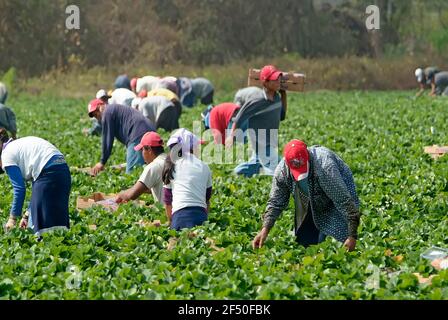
(208, 99)
(168, 120)
(50, 197)
(308, 234)
(188, 218)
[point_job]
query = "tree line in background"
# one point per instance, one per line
(34, 38)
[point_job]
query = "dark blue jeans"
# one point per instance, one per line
(188, 218)
(133, 158)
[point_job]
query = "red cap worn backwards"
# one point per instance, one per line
(143, 94)
(133, 83)
(149, 139)
(297, 159)
(269, 73)
(94, 105)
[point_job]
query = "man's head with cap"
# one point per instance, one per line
(151, 146)
(269, 73)
(102, 95)
(270, 76)
(95, 108)
(297, 159)
(420, 75)
(134, 84)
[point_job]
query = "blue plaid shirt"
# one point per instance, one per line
(332, 194)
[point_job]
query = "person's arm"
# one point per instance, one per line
(107, 138)
(208, 196)
(229, 140)
(284, 99)
(209, 191)
(19, 191)
(278, 201)
(333, 185)
(422, 89)
(168, 201)
(96, 128)
(132, 193)
(169, 213)
(433, 88)
(107, 143)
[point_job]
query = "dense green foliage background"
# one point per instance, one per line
(34, 38)
(404, 205)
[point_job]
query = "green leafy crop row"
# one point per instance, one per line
(404, 205)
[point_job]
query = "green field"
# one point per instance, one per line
(404, 207)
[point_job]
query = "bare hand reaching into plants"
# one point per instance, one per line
(350, 244)
(260, 238)
(97, 169)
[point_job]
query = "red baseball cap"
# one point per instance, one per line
(133, 83)
(297, 159)
(149, 139)
(94, 105)
(143, 94)
(269, 73)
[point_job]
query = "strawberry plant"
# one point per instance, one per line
(403, 194)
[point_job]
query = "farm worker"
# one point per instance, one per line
(264, 116)
(122, 96)
(145, 83)
(195, 89)
(8, 120)
(202, 89)
(425, 78)
(219, 119)
(185, 92)
(123, 123)
(151, 147)
(322, 185)
(160, 111)
(122, 81)
(187, 182)
(429, 77)
(3, 93)
(169, 83)
(36, 160)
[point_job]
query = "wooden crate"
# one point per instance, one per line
(436, 151)
(83, 203)
(99, 198)
(290, 81)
